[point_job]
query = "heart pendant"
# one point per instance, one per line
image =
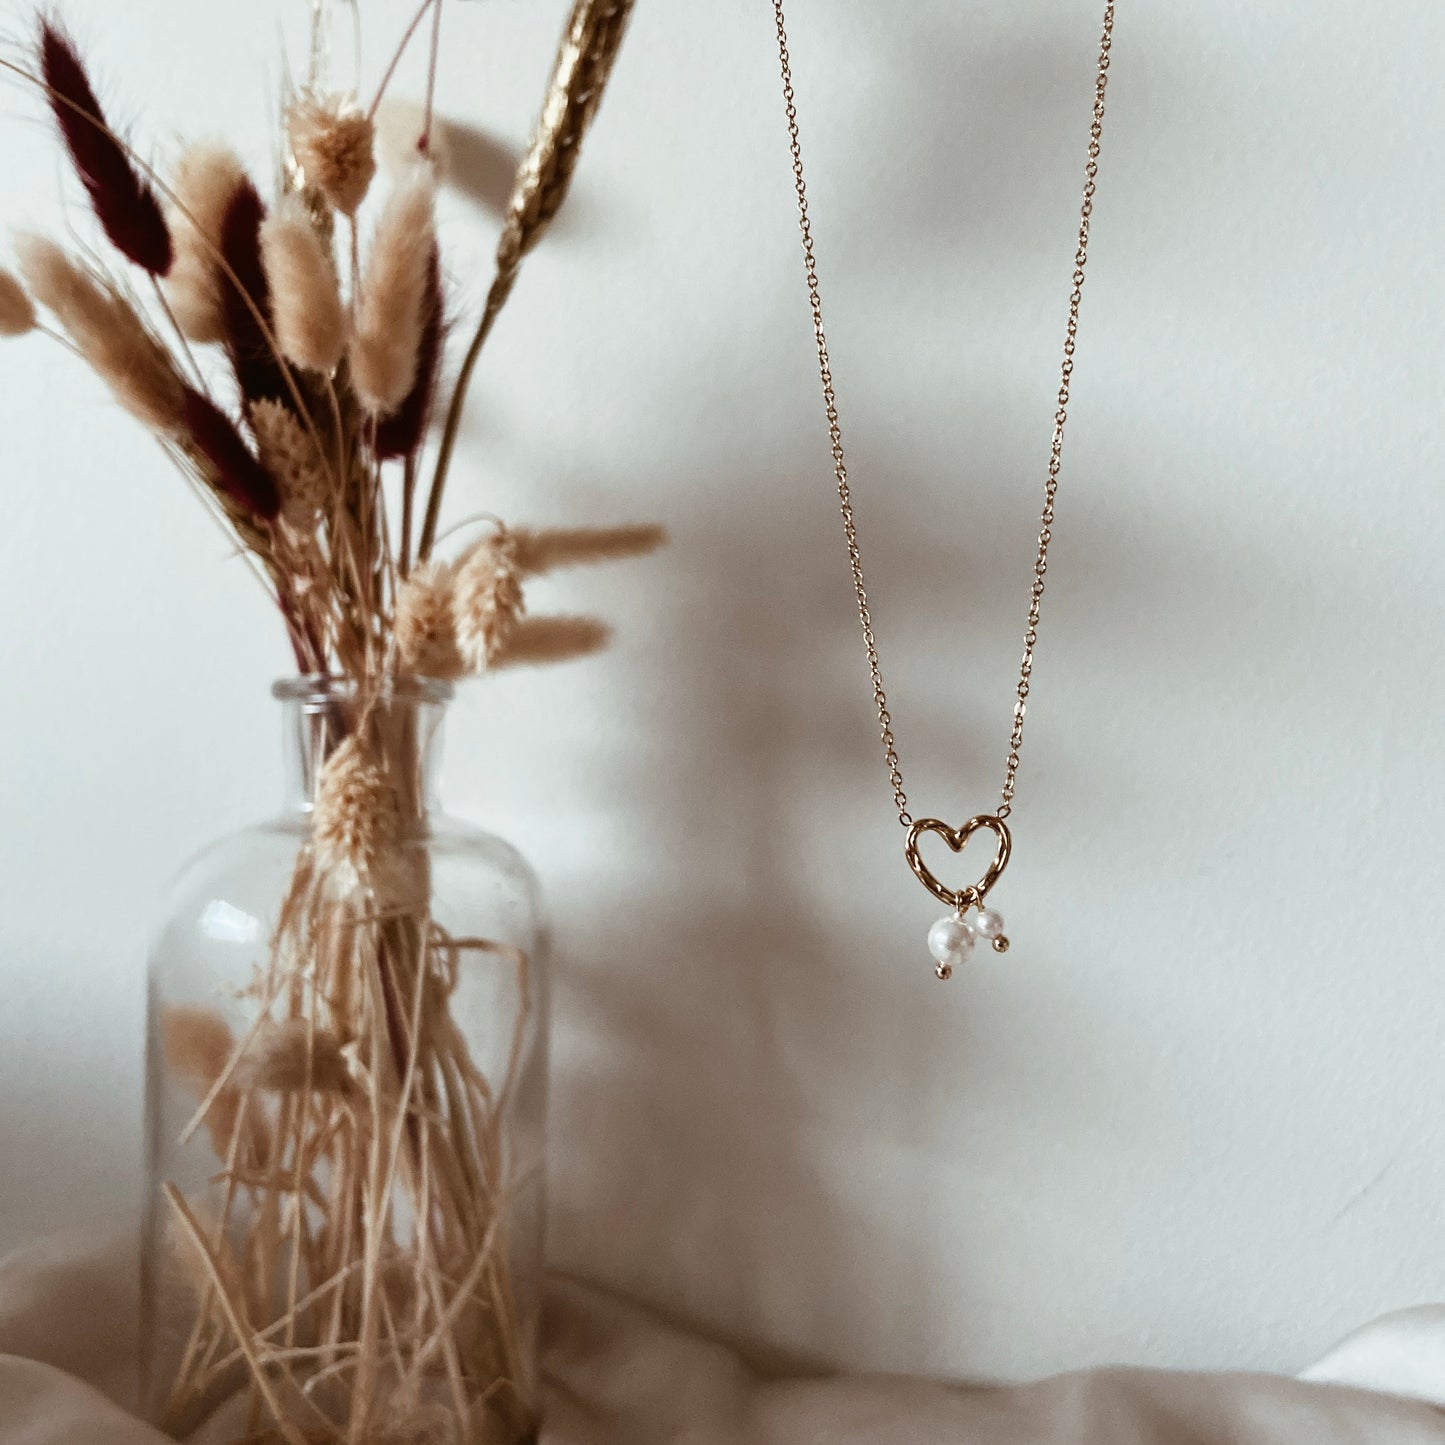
(973, 895)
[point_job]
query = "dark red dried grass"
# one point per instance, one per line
(124, 203)
(245, 292)
(400, 434)
(236, 470)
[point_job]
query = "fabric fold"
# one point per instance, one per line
(618, 1375)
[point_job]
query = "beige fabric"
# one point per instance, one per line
(617, 1376)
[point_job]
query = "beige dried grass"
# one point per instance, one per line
(107, 331)
(197, 1045)
(537, 640)
(333, 143)
(486, 600)
(307, 310)
(391, 310)
(206, 178)
(425, 623)
(293, 457)
(17, 311)
(356, 822)
(547, 549)
(291, 1055)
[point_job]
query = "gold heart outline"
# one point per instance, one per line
(956, 838)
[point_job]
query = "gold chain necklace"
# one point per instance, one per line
(951, 938)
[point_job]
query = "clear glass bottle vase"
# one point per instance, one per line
(346, 1085)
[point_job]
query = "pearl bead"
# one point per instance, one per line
(990, 923)
(950, 939)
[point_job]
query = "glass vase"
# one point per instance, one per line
(346, 1078)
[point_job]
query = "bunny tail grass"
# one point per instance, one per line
(125, 205)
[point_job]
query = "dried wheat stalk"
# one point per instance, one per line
(583, 66)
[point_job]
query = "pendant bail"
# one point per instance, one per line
(965, 899)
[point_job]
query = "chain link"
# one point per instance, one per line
(1056, 448)
(835, 433)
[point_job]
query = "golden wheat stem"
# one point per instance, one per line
(579, 77)
(496, 298)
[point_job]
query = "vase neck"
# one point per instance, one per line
(400, 730)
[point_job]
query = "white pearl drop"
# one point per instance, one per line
(990, 923)
(950, 939)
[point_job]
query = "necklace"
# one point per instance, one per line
(952, 937)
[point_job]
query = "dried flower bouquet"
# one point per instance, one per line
(349, 1268)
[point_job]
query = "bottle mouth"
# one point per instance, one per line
(319, 689)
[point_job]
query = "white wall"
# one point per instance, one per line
(1194, 1115)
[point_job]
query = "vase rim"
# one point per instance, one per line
(321, 687)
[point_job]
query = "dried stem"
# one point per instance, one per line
(399, 52)
(431, 75)
(579, 78)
